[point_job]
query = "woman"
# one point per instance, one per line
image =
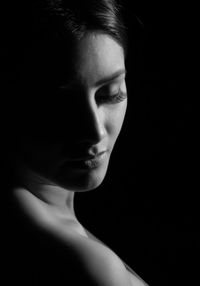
(70, 110)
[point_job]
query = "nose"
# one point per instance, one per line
(93, 128)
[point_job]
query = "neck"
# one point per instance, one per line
(57, 198)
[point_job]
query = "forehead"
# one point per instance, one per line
(97, 56)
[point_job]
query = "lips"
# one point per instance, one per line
(86, 157)
(86, 161)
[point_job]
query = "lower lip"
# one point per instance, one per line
(88, 164)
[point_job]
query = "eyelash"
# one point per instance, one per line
(113, 99)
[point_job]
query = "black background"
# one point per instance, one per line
(147, 208)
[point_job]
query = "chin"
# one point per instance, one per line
(93, 182)
(82, 181)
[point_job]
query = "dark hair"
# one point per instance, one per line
(72, 19)
(56, 26)
(26, 22)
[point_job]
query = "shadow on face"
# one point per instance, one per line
(70, 105)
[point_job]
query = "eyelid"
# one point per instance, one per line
(117, 82)
(120, 74)
(112, 86)
(112, 99)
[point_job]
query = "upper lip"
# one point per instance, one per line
(87, 156)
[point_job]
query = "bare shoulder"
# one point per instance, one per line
(104, 266)
(101, 265)
(136, 281)
(80, 256)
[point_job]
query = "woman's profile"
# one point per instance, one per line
(71, 100)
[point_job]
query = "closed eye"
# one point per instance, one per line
(112, 93)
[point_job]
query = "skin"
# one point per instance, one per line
(94, 117)
(94, 121)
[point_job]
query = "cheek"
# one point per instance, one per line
(115, 119)
(38, 154)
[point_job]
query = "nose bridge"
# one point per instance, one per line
(95, 121)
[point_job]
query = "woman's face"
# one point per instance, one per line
(80, 121)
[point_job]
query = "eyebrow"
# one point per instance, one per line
(112, 77)
(102, 81)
